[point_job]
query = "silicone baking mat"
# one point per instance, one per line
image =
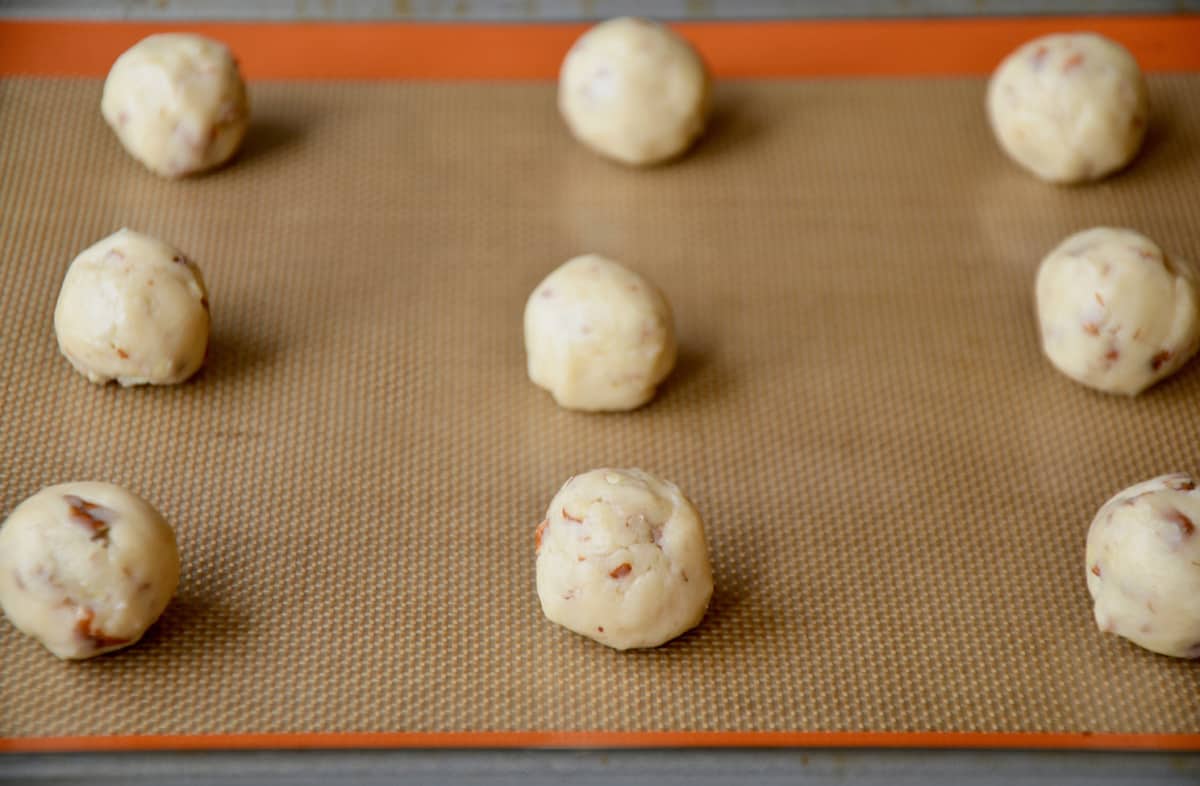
(896, 485)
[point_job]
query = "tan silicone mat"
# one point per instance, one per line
(896, 485)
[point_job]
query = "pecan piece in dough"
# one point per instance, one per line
(86, 628)
(92, 515)
(621, 571)
(1176, 517)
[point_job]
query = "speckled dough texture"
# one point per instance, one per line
(1143, 565)
(1069, 107)
(622, 559)
(177, 103)
(1116, 312)
(86, 567)
(133, 309)
(896, 486)
(634, 90)
(598, 336)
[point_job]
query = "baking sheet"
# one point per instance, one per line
(896, 485)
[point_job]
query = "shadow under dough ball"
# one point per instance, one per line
(177, 103)
(86, 568)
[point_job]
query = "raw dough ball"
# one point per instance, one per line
(86, 568)
(1116, 313)
(598, 336)
(135, 310)
(1143, 565)
(621, 558)
(177, 103)
(1069, 107)
(634, 91)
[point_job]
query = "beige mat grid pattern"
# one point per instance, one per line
(896, 485)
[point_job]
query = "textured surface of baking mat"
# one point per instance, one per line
(896, 485)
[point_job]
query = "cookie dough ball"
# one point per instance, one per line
(1069, 108)
(598, 336)
(1143, 565)
(135, 310)
(177, 103)
(86, 568)
(1116, 313)
(622, 559)
(634, 91)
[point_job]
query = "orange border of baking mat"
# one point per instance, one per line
(934, 47)
(473, 51)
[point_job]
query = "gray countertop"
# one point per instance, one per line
(604, 768)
